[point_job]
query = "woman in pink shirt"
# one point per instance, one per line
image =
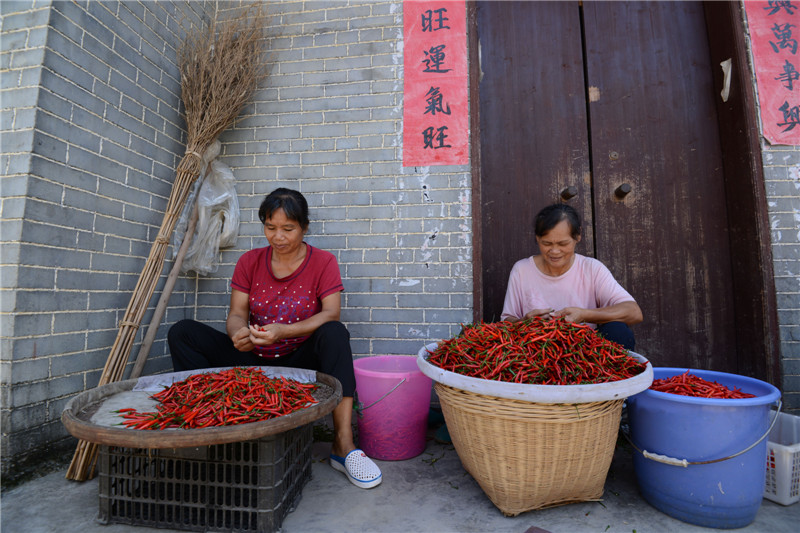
(560, 283)
(284, 311)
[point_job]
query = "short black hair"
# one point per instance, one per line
(551, 215)
(292, 202)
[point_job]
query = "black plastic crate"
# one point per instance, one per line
(241, 486)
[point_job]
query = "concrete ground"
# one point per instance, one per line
(429, 493)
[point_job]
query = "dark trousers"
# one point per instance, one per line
(195, 345)
(618, 332)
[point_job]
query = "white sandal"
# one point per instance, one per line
(360, 469)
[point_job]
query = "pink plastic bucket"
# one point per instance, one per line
(394, 398)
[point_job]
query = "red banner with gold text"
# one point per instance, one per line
(774, 32)
(435, 99)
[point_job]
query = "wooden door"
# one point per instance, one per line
(534, 139)
(581, 100)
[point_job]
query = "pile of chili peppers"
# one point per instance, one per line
(224, 398)
(687, 384)
(536, 351)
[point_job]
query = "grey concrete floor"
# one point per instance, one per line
(428, 493)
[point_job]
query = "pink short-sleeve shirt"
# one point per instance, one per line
(587, 284)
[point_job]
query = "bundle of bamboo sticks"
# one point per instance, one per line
(221, 65)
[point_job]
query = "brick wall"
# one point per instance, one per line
(782, 178)
(91, 130)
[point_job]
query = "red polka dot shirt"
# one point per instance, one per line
(287, 300)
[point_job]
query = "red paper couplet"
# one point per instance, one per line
(774, 33)
(435, 99)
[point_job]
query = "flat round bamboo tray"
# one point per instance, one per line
(527, 455)
(89, 417)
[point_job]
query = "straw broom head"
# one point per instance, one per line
(221, 66)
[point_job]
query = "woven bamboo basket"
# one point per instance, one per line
(527, 455)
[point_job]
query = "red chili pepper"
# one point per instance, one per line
(234, 396)
(535, 351)
(687, 384)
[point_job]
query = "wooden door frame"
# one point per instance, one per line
(757, 320)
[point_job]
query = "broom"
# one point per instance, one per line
(220, 66)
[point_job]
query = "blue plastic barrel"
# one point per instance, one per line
(724, 494)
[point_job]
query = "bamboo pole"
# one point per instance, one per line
(161, 307)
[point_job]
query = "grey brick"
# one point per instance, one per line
(280, 106)
(28, 416)
(325, 52)
(324, 130)
(375, 73)
(285, 80)
(47, 345)
(347, 89)
(325, 78)
(22, 97)
(334, 12)
(288, 173)
(448, 316)
(392, 114)
(302, 145)
(373, 330)
(371, 128)
(370, 35)
(786, 251)
(27, 58)
(346, 143)
(29, 370)
(13, 207)
(296, 93)
(26, 17)
(368, 302)
(92, 28)
(324, 104)
(44, 390)
(11, 164)
(35, 278)
(292, 119)
(398, 346)
(371, 155)
(30, 254)
(324, 145)
(129, 123)
(401, 255)
(321, 158)
(373, 141)
(280, 133)
(13, 142)
(346, 227)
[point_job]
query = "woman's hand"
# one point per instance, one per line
(546, 314)
(237, 322)
(627, 312)
(242, 341)
(267, 334)
(571, 314)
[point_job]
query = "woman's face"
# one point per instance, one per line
(284, 234)
(557, 247)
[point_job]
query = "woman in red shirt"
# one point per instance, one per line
(284, 311)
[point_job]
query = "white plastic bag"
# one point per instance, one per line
(217, 222)
(210, 154)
